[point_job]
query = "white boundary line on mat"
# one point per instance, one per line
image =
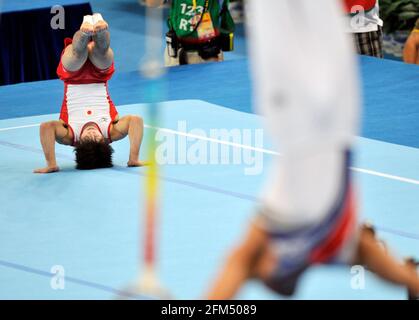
(20, 127)
(237, 145)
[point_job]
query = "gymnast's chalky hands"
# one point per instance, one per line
(47, 170)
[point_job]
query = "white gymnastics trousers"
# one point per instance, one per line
(306, 85)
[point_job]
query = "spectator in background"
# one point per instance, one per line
(199, 31)
(236, 8)
(411, 49)
(366, 26)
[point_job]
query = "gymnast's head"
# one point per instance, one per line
(93, 151)
(91, 132)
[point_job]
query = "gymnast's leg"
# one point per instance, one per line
(100, 52)
(75, 55)
(371, 255)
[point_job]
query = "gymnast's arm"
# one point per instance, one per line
(411, 49)
(132, 126)
(49, 133)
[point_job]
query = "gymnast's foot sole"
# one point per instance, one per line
(100, 26)
(87, 26)
(101, 35)
(82, 37)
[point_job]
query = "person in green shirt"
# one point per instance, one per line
(199, 31)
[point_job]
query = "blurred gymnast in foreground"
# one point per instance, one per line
(307, 89)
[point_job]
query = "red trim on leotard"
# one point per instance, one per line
(344, 228)
(113, 113)
(64, 109)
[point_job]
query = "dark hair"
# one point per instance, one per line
(92, 154)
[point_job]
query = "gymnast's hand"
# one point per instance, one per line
(137, 163)
(47, 170)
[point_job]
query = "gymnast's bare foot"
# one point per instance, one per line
(101, 36)
(100, 26)
(87, 26)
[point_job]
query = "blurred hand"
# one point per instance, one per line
(47, 170)
(137, 163)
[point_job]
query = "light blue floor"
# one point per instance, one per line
(88, 221)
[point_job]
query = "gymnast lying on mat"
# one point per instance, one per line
(89, 120)
(310, 100)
